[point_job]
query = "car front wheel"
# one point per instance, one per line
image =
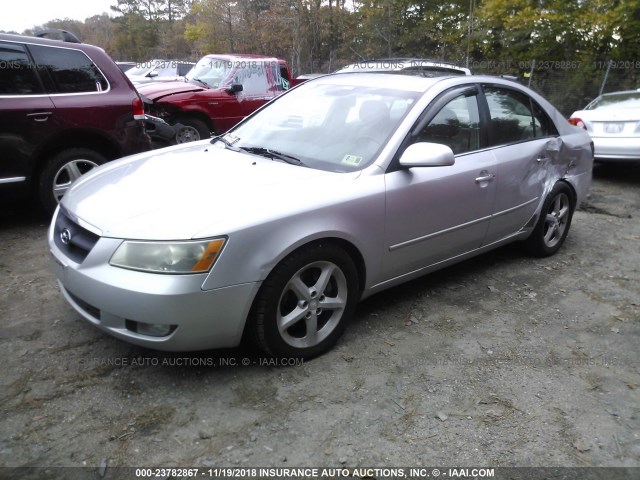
(303, 306)
(62, 170)
(554, 222)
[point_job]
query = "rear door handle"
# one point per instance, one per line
(485, 178)
(39, 116)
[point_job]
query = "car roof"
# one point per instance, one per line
(372, 79)
(37, 40)
(48, 42)
(624, 92)
(412, 82)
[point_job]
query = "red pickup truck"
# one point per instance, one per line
(218, 92)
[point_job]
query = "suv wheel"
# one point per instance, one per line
(62, 170)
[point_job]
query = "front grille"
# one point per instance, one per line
(73, 240)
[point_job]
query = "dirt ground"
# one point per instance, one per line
(504, 360)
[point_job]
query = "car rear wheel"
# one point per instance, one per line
(191, 130)
(303, 306)
(555, 220)
(62, 170)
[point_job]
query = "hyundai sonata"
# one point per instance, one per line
(336, 190)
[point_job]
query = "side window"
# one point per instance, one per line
(17, 75)
(71, 70)
(544, 125)
(456, 125)
(183, 68)
(284, 76)
(515, 117)
(253, 77)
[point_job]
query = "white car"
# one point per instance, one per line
(159, 71)
(411, 66)
(613, 121)
(337, 189)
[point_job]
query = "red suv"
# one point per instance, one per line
(65, 108)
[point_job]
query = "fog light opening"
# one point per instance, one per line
(150, 329)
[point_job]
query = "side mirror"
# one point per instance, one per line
(234, 88)
(427, 155)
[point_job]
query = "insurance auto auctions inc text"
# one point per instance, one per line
(377, 473)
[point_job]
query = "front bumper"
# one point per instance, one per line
(159, 130)
(113, 299)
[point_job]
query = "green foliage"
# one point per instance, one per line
(489, 36)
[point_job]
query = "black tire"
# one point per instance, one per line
(61, 170)
(191, 130)
(555, 220)
(277, 300)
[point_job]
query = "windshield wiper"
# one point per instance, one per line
(273, 154)
(200, 81)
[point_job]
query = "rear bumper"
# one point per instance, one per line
(611, 148)
(136, 139)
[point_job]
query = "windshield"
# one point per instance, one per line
(620, 100)
(141, 68)
(211, 71)
(331, 127)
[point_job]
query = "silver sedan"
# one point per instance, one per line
(613, 121)
(340, 188)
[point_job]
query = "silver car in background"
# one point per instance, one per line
(340, 188)
(613, 121)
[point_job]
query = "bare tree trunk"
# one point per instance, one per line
(230, 28)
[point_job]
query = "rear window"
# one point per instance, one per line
(430, 72)
(17, 75)
(621, 100)
(71, 71)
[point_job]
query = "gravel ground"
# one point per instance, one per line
(504, 360)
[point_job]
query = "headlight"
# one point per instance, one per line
(168, 257)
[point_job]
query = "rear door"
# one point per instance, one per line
(77, 85)
(526, 145)
(26, 113)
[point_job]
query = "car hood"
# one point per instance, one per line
(157, 90)
(609, 114)
(197, 191)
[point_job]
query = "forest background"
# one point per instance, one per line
(568, 50)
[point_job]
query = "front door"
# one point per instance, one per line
(436, 213)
